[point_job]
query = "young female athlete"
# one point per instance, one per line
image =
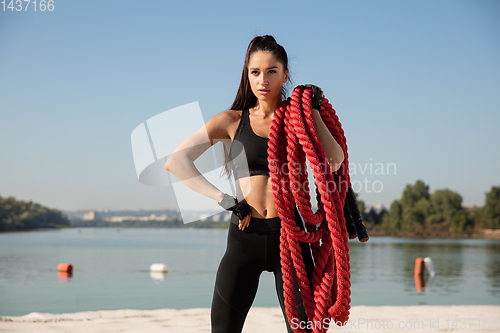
(254, 234)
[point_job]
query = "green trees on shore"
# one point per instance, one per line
(23, 215)
(420, 212)
(490, 216)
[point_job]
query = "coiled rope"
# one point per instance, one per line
(292, 140)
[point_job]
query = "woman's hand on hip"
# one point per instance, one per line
(245, 222)
(240, 209)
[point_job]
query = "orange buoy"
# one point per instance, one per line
(419, 266)
(419, 274)
(65, 268)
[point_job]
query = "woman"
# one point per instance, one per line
(253, 237)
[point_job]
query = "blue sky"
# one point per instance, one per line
(414, 83)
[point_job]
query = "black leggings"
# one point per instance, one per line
(248, 254)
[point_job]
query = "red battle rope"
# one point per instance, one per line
(292, 140)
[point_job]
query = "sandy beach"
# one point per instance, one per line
(460, 318)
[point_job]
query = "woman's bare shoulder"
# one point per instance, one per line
(230, 116)
(223, 125)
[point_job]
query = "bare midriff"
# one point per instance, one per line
(257, 191)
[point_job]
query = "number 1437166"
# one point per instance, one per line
(25, 5)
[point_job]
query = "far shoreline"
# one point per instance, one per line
(486, 234)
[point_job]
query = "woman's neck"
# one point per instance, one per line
(265, 109)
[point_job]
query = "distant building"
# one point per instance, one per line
(152, 217)
(162, 217)
(89, 215)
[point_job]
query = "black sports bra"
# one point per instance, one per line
(254, 160)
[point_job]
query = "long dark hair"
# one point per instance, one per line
(245, 97)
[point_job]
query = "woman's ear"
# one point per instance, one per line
(286, 76)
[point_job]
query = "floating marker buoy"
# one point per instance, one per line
(419, 266)
(429, 266)
(158, 268)
(65, 268)
(422, 264)
(419, 274)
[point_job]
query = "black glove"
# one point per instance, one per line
(316, 97)
(241, 209)
(355, 216)
(349, 223)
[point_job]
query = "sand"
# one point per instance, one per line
(460, 318)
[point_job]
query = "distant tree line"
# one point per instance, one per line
(23, 215)
(417, 213)
(175, 223)
(439, 213)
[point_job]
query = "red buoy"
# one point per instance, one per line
(65, 268)
(419, 274)
(419, 266)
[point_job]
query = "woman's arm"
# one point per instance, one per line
(181, 162)
(183, 168)
(333, 151)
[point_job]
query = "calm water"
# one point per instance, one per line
(111, 270)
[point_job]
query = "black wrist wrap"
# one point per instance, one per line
(241, 209)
